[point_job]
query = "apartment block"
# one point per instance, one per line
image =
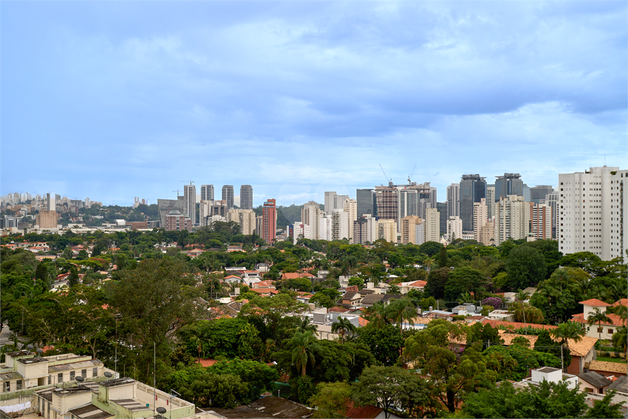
(512, 221)
(454, 228)
(480, 216)
(432, 225)
(408, 228)
(245, 219)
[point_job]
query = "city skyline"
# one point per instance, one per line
(124, 99)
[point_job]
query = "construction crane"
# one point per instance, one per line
(412, 174)
(191, 182)
(388, 180)
(177, 191)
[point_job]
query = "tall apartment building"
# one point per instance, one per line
(330, 201)
(50, 202)
(350, 206)
(408, 228)
(454, 228)
(207, 192)
(245, 219)
(340, 225)
(189, 196)
(472, 189)
(246, 197)
(365, 229)
(387, 230)
(453, 199)
(540, 192)
(487, 233)
(366, 202)
(310, 215)
(551, 199)
(512, 220)
(444, 216)
(387, 202)
(540, 216)
(227, 195)
(432, 225)
(269, 221)
(47, 219)
(591, 212)
(480, 216)
(509, 184)
(490, 201)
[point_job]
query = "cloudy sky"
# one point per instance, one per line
(111, 100)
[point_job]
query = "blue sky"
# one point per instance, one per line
(111, 100)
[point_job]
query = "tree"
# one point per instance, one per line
(443, 260)
(343, 327)
(385, 342)
(568, 330)
(257, 375)
(605, 408)
(390, 387)
(436, 281)
(525, 266)
(331, 400)
(400, 311)
(73, 279)
(464, 279)
(598, 317)
(303, 345)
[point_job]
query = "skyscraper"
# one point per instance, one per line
(207, 192)
(246, 197)
(591, 215)
(453, 199)
(442, 208)
(330, 202)
(472, 189)
(351, 207)
(512, 220)
(227, 195)
(480, 216)
(538, 193)
(269, 220)
(509, 184)
(366, 202)
(310, 215)
(387, 202)
(189, 196)
(432, 225)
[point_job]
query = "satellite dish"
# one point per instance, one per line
(80, 378)
(30, 347)
(108, 374)
(161, 410)
(39, 351)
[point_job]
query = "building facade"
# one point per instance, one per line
(207, 192)
(540, 216)
(175, 221)
(432, 225)
(366, 202)
(509, 184)
(269, 221)
(245, 219)
(454, 228)
(453, 199)
(189, 197)
(408, 228)
(472, 189)
(480, 216)
(246, 197)
(227, 195)
(310, 215)
(512, 221)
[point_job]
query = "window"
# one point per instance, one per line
(84, 373)
(95, 372)
(72, 375)
(7, 386)
(49, 379)
(18, 385)
(610, 331)
(600, 329)
(60, 377)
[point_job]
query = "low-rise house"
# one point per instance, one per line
(606, 329)
(233, 279)
(608, 368)
(351, 299)
(550, 374)
(593, 382)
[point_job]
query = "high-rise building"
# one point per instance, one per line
(245, 219)
(453, 199)
(310, 215)
(538, 193)
(340, 226)
(339, 201)
(387, 230)
(442, 208)
(387, 202)
(490, 201)
(366, 202)
(512, 221)
(47, 219)
(487, 233)
(207, 192)
(509, 184)
(246, 197)
(365, 229)
(227, 195)
(540, 216)
(480, 216)
(454, 228)
(591, 214)
(472, 189)
(50, 202)
(408, 228)
(408, 203)
(551, 199)
(330, 202)
(432, 225)
(269, 220)
(350, 206)
(189, 196)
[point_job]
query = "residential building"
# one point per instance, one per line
(509, 184)
(175, 221)
(365, 229)
(207, 192)
(487, 233)
(189, 197)
(245, 219)
(408, 228)
(325, 226)
(432, 225)
(454, 228)
(540, 192)
(453, 200)
(310, 215)
(227, 195)
(480, 216)
(269, 221)
(605, 329)
(210, 209)
(387, 230)
(591, 212)
(350, 206)
(246, 197)
(408, 203)
(540, 216)
(442, 208)
(330, 201)
(512, 221)
(50, 202)
(366, 201)
(47, 219)
(551, 200)
(339, 201)
(472, 189)
(490, 201)
(340, 225)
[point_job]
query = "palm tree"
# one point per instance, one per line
(401, 310)
(564, 331)
(620, 338)
(304, 325)
(598, 317)
(343, 327)
(377, 314)
(304, 345)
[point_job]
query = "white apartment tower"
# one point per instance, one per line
(454, 228)
(512, 220)
(330, 201)
(591, 212)
(453, 199)
(432, 225)
(340, 226)
(189, 196)
(350, 206)
(480, 216)
(310, 215)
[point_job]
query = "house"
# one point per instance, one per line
(368, 412)
(370, 299)
(606, 329)
(593, 382)
(608, 368)
(295, 275)
(550, 374)
(233, 279)
(351, 299)
(195, 252)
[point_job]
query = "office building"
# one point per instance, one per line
(175, 221)
(210, 210)
(310, 215)
(246, 197)
(480, 216)
(472, 189)
(408, 203)
(591, 214)
(490, 201)
(245, 219)
(408, 228)
(540, 216)
(442, 209)
(454, 228)
(189, 196)
(207, 192)
(539, 193)
(339, 201)
(47, 219)
(227, 195)
(366, 202)
(350, 206)
(512, 220)
(330, 201)
(453, 200)
(387, 202)
(269, 221)
(509, 184)
(432, 225)
(551, 199)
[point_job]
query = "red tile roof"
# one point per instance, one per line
(418, 283)
(622, 302)
(368, 411)
(517, 325)
(207, 362)
(594, 302)
(338, 309)
(615, 319)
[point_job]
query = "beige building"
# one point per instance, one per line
(512, 219)
(310, 215)
(408, 229)
(480, 216)
(245, 219)
(487, 233)
(47, 219)
(350, 206)
(432, 225)
(387, 230)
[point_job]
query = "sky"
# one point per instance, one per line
(112, 100)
